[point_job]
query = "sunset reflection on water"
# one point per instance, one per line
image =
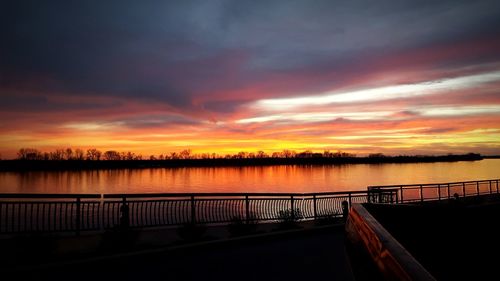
(246, 179)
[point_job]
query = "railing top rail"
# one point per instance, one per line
(155, 195)
(48, 195)
(142, 195)
(428, 184)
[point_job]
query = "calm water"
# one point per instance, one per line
(246, 179)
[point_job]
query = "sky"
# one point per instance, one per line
(152, 77)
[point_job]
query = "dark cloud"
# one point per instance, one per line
(222, 106)
(12, 103)
(173, 52)
(155, 121)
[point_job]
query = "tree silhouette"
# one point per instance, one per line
(29, 154)
(93, 154)
(111, 155)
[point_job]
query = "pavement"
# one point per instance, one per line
(310, 253)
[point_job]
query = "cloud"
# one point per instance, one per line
(231, 71)
(383, 93)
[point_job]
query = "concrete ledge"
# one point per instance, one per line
(389, 256)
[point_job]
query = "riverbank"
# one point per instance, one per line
(55, 165)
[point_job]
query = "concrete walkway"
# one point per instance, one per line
(302, 255)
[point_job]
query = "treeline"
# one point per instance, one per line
(91, 159)
(96, 155)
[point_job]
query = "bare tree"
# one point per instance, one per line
(78, 154)
(68, 154)
(241, 155)
(93, 154)
(185, 154)
(58, 154)
(261, 154)
(111, 155)
(29, 154)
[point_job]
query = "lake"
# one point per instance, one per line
(297, 178)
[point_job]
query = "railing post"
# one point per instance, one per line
(401, 191)
(247, 209)
(125, 214)
(491, 190)
(477, 188)
(193, 210)
(78, 212)
(463, 188)
(439, 192)
(497, 185)
(314, 207)
(292, 207)
(350, 203)
(421, 193)
(449, 196)
(345, 210)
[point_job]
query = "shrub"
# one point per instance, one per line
(331, 217)
(191, 231)
(239, 227)
(288, 218)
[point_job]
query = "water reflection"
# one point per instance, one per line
(306, 178)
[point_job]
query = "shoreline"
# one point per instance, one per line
(56, 165)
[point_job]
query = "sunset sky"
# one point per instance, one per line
(396, 77)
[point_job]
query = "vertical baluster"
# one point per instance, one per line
(32, 206)
(78, 210)
(1, 218)
(60, 228)
(19, 217)
(144, 208)
(7, 205)
(56, 205)
(247, 208)
(25, 215)
(162, 208)
(193, 210)
(315, 211)
(67, 217)
(37, 216)
(93, 216)
(42, 226)
(155, 212)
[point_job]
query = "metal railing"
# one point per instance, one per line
(438, 191)
(49, 212)
(31, 213)
(41, 213)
